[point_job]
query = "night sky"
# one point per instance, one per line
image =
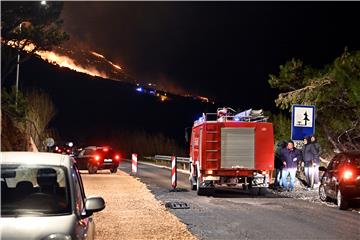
(224, 50)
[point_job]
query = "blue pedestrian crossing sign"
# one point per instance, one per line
(302, 121)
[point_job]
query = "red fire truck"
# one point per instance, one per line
(229, 149)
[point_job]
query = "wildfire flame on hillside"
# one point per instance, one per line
(96, 64)
(64, 61)
(102, 56)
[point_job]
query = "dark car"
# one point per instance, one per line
(67, 148)
(341, 179)
(97, 158)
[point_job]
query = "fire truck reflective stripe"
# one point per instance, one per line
(211, 160)
(212, 132)
(173, 172)
(134, 163)
(212, 150)
(212, 141)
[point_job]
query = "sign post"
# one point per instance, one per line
(302, 122)
(173, 172)
(134, 164)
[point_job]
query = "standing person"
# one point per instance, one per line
(279, 164)
(309, 156)
(290, 157)
(316, 163)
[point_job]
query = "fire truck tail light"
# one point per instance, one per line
(97, 157)
(347, 174)
(117, 156)
(209, 172)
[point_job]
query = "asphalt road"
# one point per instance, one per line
(240, 215)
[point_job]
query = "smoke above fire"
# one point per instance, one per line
(91, 62)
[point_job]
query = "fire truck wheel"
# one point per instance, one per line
(193, 186)
(200, 191)
(262, 191)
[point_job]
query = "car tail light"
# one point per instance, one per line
(97, 157)
(347, 174)
(117, 157)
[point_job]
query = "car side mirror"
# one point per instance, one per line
(94, 204)
(322, 168)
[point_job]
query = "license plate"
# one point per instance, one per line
(107, 160)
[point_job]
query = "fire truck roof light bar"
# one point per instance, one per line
(227, 114)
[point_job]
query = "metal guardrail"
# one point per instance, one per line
(168, 158)
(182, 161)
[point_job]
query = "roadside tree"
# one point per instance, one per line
(334, 90)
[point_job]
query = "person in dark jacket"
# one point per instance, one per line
(316, 160)
(279, 164)
(290, 157)
(309, 156)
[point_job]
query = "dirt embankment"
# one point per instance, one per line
(131, 210)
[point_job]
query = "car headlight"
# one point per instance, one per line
(58, 236)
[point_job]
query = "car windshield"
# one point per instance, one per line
(34, 190)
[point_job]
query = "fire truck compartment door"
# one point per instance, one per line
(238, 148)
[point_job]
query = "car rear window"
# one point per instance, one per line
(355, 160)
(105, 152)
(34, 190)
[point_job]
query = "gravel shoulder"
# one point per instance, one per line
(131, 212)
(312, 196)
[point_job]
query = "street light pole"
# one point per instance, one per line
(43, 3)
(17, 74)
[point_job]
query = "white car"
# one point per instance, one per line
(42, 197)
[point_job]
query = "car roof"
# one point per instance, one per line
(41, 158)
(351, 153)
(95, 147)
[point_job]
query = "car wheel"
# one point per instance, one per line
(92, 169)
(342, 203)
(322, 194)
(113, 170)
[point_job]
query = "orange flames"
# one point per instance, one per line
(64, 61)
(102, 56)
